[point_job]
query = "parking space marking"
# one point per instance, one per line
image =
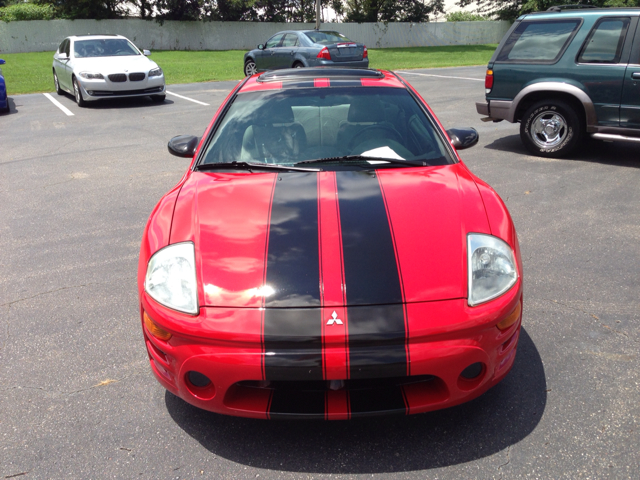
(58, 104)
(441, 76)
(187, 98)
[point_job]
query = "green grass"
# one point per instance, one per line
(31, 72)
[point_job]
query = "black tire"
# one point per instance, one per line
(551, 128)
(6, 109)
(298, 65)
(56, 83)
(249, 68)
(158, 98)
(77, 93)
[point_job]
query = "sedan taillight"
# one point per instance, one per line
(365, 54)
(324, 54)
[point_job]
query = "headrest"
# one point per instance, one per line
(278, 112)
(365, 109)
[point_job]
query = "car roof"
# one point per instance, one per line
(89, 36)
(583, 12)
(321, 77)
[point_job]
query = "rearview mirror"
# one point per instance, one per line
(183, 146)
(462, 138)
(62, 56)
(146, 53)
(260, 46)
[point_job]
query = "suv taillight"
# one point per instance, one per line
(488, 81)
(365, 54)
(324, 53)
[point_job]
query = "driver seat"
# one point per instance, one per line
(363, 113)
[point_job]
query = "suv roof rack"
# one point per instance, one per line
(318, 72)
(559, 8)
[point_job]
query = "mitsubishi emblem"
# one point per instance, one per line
(334, 319)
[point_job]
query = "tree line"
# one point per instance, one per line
(230, 10)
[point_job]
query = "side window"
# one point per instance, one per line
(290, 40)
(539, 42)
(274, 41)
(64, 46)
(67, 46)
(604, 43)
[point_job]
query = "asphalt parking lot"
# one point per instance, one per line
(77, 396)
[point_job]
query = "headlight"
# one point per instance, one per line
(156, 72)
(492, 268)
(171, 277)
(91, 76)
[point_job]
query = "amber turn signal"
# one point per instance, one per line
(511, 319)
(154, 329)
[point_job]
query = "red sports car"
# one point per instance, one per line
(328, 255)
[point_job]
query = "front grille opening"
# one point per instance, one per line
(136, 77)
(118, 77)
(312, 399)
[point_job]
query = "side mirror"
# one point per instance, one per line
(183, 146)
(62, 56)
(2, 62)
(146, 53)
(260, 46)
(462, 138)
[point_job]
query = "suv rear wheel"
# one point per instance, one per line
(551, 128)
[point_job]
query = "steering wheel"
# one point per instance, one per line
(387, 133)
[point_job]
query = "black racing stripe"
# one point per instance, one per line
(293, 344)
(382, 401)
(293, 266)
(376, 334)
(293, 336)
(292, 404)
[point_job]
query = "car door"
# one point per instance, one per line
(602, 63)
(630, 103)
(285, 53)
(266, 59)
(59, 64)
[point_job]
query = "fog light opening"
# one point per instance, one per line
(472, 371)
(198, 379)
(472, 376)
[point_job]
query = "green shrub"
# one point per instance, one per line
(26, 11)
(465, 17)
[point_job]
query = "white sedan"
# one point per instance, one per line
(92, 67)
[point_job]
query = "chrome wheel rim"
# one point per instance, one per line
(298, 66)
(250, 68)
(55, 82)
(76, 90)
(549, 129)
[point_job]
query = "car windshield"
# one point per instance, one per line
(110, 47)
(326, 38)
(292, 125)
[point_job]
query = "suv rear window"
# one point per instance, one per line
(604, 44)
(541, 41)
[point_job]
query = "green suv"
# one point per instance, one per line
(564, 74)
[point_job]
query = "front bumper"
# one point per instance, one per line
(437, 353)
(98, 89)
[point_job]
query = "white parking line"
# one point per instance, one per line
(58, 104)
(441, 76)
(187, 98)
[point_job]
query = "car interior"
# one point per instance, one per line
(263, 127)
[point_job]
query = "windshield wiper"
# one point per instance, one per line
(252, 166)
(348, 158)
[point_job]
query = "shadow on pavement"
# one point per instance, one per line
(622, 154)
(501, 417)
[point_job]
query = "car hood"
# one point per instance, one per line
(295, 239)
(109, 65)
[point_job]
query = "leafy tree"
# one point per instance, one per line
(391, 10)
(179, 9)
(512, 9)
(464, 17)
(96, 9)
(26, 11)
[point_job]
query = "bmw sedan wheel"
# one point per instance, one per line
(249, 68)
(551, 129)
(78, 94)
(59, 90)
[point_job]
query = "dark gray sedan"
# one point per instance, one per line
(305, 48)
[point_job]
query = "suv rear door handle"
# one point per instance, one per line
(635, 76)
